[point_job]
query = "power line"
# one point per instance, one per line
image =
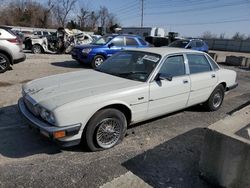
(212, 22)
(199, 9)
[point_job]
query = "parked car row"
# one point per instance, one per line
(104, 47)
(95, 53)
(11, 50)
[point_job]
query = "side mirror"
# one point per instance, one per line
(161, 76)
(110, 45)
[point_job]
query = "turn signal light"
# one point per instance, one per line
(59, 134)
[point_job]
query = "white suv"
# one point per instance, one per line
(11, 50)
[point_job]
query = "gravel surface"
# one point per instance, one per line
(163, 152)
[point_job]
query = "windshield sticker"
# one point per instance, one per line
(151, 58)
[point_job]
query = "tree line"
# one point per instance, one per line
(236, 36)
(54, 14)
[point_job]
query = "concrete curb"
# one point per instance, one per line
(225, 160)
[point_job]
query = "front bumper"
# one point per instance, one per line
(48, 130)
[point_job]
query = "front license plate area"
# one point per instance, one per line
(44, 133)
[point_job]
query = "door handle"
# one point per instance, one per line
(185, 81)
(213, 75)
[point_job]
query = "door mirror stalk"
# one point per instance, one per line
(161, 76)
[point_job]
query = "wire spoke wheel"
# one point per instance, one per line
(108, 132)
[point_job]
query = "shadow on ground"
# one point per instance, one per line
(17, 140)
(70, 64)
(174, 163)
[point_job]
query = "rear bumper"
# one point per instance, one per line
(232, 87)
(47, 130)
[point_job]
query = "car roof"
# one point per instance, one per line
(5, 27)
(124, 35)
(163, 51)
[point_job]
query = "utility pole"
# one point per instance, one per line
(142, 12)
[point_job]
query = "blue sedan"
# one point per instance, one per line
(105, 47)
(194, 44)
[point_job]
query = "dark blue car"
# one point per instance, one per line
(105, 47)
(194, 44)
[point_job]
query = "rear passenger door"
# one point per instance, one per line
(203, 78)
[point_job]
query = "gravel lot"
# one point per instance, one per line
(164, 152)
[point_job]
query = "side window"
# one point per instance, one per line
(198, 63)
(131, 42)
(45, 33)
(214, 65)
(199, 44)
(192, 44)
(173, 66)
(118, 41)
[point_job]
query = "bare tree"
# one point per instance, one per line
(222, 36)
(46, 12)
(83, 16)
(103, 13)
(208, 35)
(239, 36)
(61, 9)
(92, 20)
(25, 13)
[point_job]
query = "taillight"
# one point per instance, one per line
(15, 41)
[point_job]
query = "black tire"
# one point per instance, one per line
(37, 49)
(216, 99)
(98, 60)
(95, 126)
(4, 63)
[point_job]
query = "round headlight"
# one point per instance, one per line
(47, 116)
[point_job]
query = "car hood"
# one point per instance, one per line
(54, 91)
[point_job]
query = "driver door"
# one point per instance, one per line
(167, 96)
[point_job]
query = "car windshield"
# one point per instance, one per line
(179, 43)
(133, 65)
(103, 40)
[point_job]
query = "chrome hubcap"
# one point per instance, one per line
(3, 63)
(98, 61)
(217, 100)
(108, 132)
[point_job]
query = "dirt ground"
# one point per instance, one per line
(164, 152)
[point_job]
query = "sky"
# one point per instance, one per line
(187, 17)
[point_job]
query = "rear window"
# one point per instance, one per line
(142, 41)
(131, 42)
(179, 43)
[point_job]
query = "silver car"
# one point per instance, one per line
(11, 50)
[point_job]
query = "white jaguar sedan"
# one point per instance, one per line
(96, 106)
